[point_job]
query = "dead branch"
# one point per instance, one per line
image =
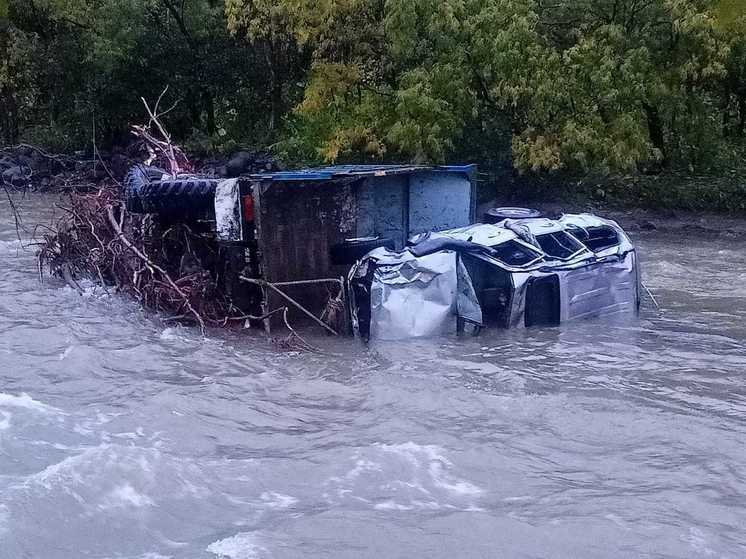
(68, 277)
(171, 268)
(153, 266)
(254, 317)
(316, 319)
(16, 216)
(295, 336)
(160, 148)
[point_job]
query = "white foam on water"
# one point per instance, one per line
(53, 473)
(89, 289)
(362, 466)
(241, 546)
(413, 452)
(67, 352)
(4, 519)
(431, 505)
(437, 466)
(73, 470)
(173, 333)
(276, 500)
(125, 496)
(391, 505)
(408, 476)
(81, 430)
(5, 420)
(24, 401)
(10, 247)
(698, 540)
(444, 480)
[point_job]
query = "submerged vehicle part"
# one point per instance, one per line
(401, 237)
(395, 310)
(287, 238)
(579, 266)
(350, 251)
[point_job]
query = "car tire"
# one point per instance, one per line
(179, 197)
(495, 215)
(135, 180)
(351, 250)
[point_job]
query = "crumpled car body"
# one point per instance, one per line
(516, 273)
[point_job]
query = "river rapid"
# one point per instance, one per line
(124, 437)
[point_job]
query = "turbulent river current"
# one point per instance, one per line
(124, 437)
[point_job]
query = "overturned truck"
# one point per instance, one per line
(393, 251)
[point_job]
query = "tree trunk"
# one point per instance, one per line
(9, 125)
(191, 100)
(725, 122)
(274, 62)
(209, 104)
(655, 130)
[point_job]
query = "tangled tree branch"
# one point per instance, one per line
(173, 267)
(152, 265)
(160, 148)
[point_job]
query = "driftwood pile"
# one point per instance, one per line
(163, 269)
(175, 268)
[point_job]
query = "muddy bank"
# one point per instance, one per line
(714, 202)
(709, 224)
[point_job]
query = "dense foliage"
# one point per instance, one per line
(577, 85)
(66, 63)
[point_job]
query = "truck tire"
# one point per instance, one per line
(496, 215)
(134, 181)
(179, 197)
(351, 250)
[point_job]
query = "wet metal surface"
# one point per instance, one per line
(121, 437)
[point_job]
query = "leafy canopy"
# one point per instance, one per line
(579, 84)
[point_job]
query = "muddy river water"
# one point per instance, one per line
(123, 437)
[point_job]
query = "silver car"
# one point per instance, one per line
(515, 273)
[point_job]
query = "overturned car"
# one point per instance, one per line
(391, 251)
(518, 272)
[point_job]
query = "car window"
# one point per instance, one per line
(559, 244)
(598, 238)
(513, 253)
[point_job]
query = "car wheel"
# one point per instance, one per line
(135, 180)
(179, 197)
(495, 215)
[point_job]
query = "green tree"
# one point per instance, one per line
(573, 84)
(100, 57)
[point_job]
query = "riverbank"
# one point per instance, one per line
(708, 225)
(722, 193)
(707, 204)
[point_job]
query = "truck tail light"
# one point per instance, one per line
(247, 208)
